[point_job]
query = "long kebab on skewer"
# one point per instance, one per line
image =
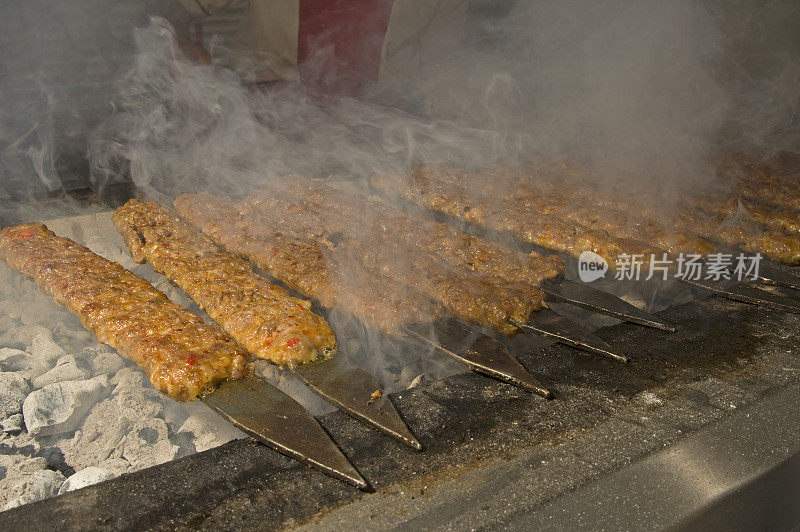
(344, 208)
(525, 223)
(261, 316)
(307, 266)
(341, 210)
(771, 182)
(182, 355)
(315, 271)
(488, 301)
(616, 219)
(700, 220)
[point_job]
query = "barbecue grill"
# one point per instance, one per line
(623, 404)
(520, 457)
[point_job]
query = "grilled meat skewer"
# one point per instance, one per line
(344, 208)
(183, 356)
(314, 271)
(698, 222)
(307, 266)
(336, 209)
(261, 316)
(524, 223)
(580, 205)
(470, 296)
(628, 220)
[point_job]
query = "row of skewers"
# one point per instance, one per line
(417, 279)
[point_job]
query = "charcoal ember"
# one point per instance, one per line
(148, 444)
(101, 437)
(86, 477)
(67, 368)
(209, 429)
(13, 423)
(14, 388)
(11, 309)
(103, 359)
(15, 359)
(43, 347)
(118, 466)
(16, 486)
(127, 379)
(20, 444)
(40, 485)
(22, 337)
(57, 408)
(46, 483)
(6, 323)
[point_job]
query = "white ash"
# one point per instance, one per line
(86, 477)
(72, 411)
(58, 408)
(14, 388)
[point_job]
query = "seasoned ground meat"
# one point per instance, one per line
(307, 266)
(345, 208)
(468, 295)
(560, 206)
(261, 316)
(514, 217)
(694, 223)
(182, 355)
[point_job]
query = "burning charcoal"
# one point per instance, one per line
(148, 444)
(46, 483)
(22, 337)
(103, 359)
(17, 484)
(15, 359)
(85, 477)
(44, 348)
(57, 408)
(14, 388)
(209, 429)
(68, 368)
(99, 437)
(127, 379)
(12, 423)
(12, 309)
(6, 323)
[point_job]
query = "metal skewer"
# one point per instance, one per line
(582, 295)
(480, 353)
(746, 293)
(563, 330)
(770, 273)
(277, 420)
(352, 390)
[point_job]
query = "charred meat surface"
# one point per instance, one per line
(261, 316)
(307, 266)
(182, 355)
